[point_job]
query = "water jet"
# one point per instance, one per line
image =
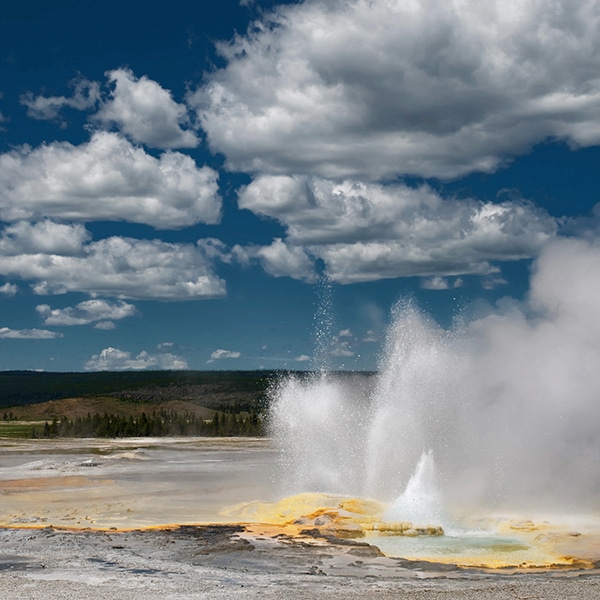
(467, 429)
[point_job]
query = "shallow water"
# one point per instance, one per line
(130, 483)
(468, 550)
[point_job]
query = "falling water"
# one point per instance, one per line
(490, 408)
(493, 421)
(363, 436)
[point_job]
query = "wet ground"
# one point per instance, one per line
(76, 521)
(130, 482)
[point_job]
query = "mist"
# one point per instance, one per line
(508, 405)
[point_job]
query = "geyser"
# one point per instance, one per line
(376, 436)
(502, 413)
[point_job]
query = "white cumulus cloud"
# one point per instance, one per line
(370, 337)
(376, 88)
(279, 260)
(146, 112)
(369, 231)
(9, 289)
(107, 179)
(115, 266)
(341, 348)
(302, 358)
(138, 107)
(220, 354)
(440, 283)
(113, 359)
(43, 237)
(89, 311)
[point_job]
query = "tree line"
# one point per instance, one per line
(156, 424)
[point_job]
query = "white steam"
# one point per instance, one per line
(508, 405)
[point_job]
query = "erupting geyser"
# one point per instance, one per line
(498, 414)
(420, 502)
(376, 436)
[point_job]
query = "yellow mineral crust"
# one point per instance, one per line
(339, 515)
(536, 545)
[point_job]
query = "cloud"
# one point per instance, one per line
(86, 312)
(341, 348)
(440, 283)
(105, 325)
(86, 95)
(435, 283)
(9, 289)
(373, 89)
(145, 112)
(44, 237)
(219, 354)
(302, 358)
(279, 260)
(107, 179)
(28, 334)
(115, 266)
(139, 107)
(369, 231)
(113, 359)
(490, 283)
(370, 337)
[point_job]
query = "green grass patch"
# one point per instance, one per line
(15, 429)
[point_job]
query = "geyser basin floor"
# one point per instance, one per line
(144, 483)
(128, 483)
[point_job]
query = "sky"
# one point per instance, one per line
(255, 184)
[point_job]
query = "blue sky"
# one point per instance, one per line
(177, 181)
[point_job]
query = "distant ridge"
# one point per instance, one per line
(206, 388)
(19, 388)
(78, 408)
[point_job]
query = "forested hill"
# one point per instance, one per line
(147, 403)
(19, 388)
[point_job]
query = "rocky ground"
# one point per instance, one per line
(231, 562)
